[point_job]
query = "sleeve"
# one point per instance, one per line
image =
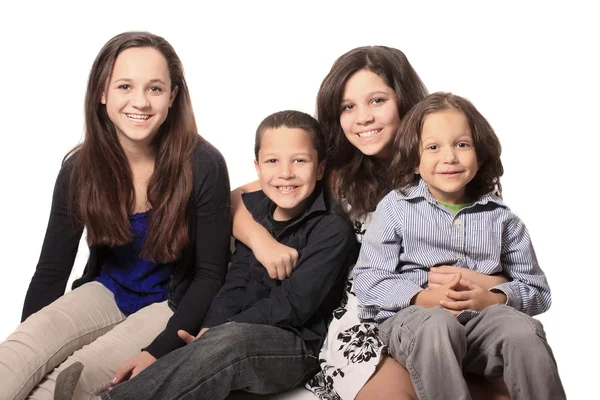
(227, 302)
(377, 283)
(58, 250)
(528, 290)
(213, 221)
(321, 261)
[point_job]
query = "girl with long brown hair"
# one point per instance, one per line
(360, 103)
(153, 197)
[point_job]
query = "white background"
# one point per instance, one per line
(530, 68)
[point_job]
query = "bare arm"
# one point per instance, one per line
(279, 260)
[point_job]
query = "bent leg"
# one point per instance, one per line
(509, 343)
(431, 344)
(49, 336)
(260, 359)
(105, 355)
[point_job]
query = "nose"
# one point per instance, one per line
(286, 170)
(140, 99)
(364, 116)
(449, 155)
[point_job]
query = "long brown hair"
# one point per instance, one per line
(407, 153)
(101, 188)
(360, 179)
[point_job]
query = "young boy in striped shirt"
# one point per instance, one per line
(445, 212)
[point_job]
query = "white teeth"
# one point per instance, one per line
(369, 133)
(138, 117)
(286, 187)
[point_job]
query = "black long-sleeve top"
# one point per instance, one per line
(199, 273)
(304, 302)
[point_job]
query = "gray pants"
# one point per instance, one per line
(436, 350)
(255, 358)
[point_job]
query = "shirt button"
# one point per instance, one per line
(457, 222)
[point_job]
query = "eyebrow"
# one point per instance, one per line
(155, 80)
(369, 95)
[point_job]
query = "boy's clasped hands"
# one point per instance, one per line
(454, 289)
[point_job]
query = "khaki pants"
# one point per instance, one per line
(83, 325)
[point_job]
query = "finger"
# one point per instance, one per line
(459, 295)
(454, 281)
(468, 284)
(272, 271)
(455, 305)
(433, 285)
(445, 269)
(289, 267)
(295, 256)
(122, 373)
(185, 336)
(281, 272)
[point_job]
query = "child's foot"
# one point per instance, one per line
(67, 380)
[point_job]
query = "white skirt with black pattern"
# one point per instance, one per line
(350, 353)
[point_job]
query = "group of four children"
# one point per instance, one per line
(435, 166)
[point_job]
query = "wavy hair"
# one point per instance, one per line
(487, 146)
(361, 180)
(101, 192)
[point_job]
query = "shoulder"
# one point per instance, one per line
(208, 166)
(207, 157)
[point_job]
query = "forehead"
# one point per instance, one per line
(364, 82)
(284, 139)
(446, 122)
(140, 63)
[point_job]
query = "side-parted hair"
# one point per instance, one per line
(292, 119)
(360, 179)
(101, 194)
(407, 144)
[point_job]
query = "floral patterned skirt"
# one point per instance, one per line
(349, 354)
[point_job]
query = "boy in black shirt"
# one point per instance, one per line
(263, 335)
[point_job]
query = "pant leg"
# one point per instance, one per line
(431, 344)
(49, 336)
(260, 359)
(505, 342)
(105, 355)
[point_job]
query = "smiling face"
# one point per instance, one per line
(138, 95)
(369, 116)
(288, 169)
(448, 160)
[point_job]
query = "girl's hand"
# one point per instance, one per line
(132, 367)
(187, 338)
(279, 260)
(474, 297)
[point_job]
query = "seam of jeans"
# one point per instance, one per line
(189, 390)
(59, 349)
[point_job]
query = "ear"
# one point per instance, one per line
(416, 170)
(321, 170)
(173, 95)
(103, 98)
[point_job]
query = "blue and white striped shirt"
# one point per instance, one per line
(412, 232)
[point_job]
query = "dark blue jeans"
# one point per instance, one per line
(255, 358)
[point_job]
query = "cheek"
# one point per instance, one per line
(346, 123)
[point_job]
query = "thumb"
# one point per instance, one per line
(186, 337)
(455, 280)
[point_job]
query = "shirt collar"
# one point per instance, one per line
(260, 206)
(421, 191)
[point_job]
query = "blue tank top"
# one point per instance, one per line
(135, 281)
